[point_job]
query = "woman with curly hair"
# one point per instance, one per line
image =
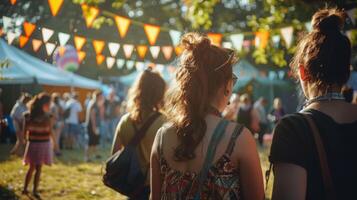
(199, 154)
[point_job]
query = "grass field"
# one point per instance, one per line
(69, 178)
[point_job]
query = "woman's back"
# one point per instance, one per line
(293, 143)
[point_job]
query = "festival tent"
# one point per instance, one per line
(25, 69)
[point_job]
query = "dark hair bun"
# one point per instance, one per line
(328, 21)
(195, 41)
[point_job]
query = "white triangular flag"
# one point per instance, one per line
(63, 38)
(113, 48)
(308, 26)
(237, 40)
(276, 40)
(120, 63)
(175, 37)
(10, 37)
(272, 75)
(287, 34)
(352, 15)
(128, 50)
(46, 34)
(155, 50)
(281, 74)
(49, 48)
(130, 64)
(6, 21)
(110, 62)
(140, 66)
(227, 45)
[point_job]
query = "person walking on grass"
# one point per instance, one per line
(199, 154)
(314, 152)
(37, 128)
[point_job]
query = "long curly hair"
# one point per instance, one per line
(146, 95)
(203, 69)
(36, 105)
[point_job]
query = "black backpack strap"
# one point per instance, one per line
(237, 131)
(140, 133)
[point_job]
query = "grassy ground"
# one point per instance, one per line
(69, 178)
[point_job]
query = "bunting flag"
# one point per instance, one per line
(287, 34)
(308, 26)
(6, 22)
(216, 38)
(10, 37)
(89, 14)
(46, 34)
(237, 40)
(152, 32)
(49, 48)
(130, 64)
(178, 50)
(98, 46)
(227, 45)
(352, 15)
(261, 39)
(113, 48)
(276, 40)
(142, 49)
(155, 50)
(28, 28)
(246, 45)
(140, 66)
(110, 62)
(81, 56)
(63, 38)
(13, 2)
(55, 6)
(100, 58)
(123, 24)
(128, 50)
(79, 42)
(281, 74)
(23, 40)
(167, 51)
(175, 37)
(120, 63)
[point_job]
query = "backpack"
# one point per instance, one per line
(123, 171)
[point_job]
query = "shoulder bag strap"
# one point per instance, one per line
(237, 130)
(140, 133)
(211, 151)
(326, 174)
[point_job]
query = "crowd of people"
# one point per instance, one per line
(197, 139)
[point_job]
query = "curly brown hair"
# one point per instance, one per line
(203, 70)
(325, 52)
(36, 105)
(146, 95)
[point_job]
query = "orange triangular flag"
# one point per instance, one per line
(55, 6)
(81, 56)
(261, 38)
(23, 40)
(79, 42)
(178, 50)
(152, 32)
(100, 58)
(89, 14)
(13, 2)
(29, 28)
(142, 49)
(122, 25)
(98, 46)
(216, 38)
(167, 51)
(36, 44)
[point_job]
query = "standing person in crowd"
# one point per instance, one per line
(231, 111)
(144, 102)
(277, 112)
(18, 119)
(56, 111)
(259, 106)
(88, 99)
(200, 155)
(314, 152)
(93, 122)
(111, 114)
(38, 131)
(72, 124)
(247, 114)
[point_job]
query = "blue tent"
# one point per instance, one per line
(26, 69)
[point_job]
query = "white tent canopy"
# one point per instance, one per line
(25, 69)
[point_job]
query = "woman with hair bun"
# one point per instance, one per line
(313, 152)
(199, 154)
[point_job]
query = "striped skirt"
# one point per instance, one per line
(38, 153)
